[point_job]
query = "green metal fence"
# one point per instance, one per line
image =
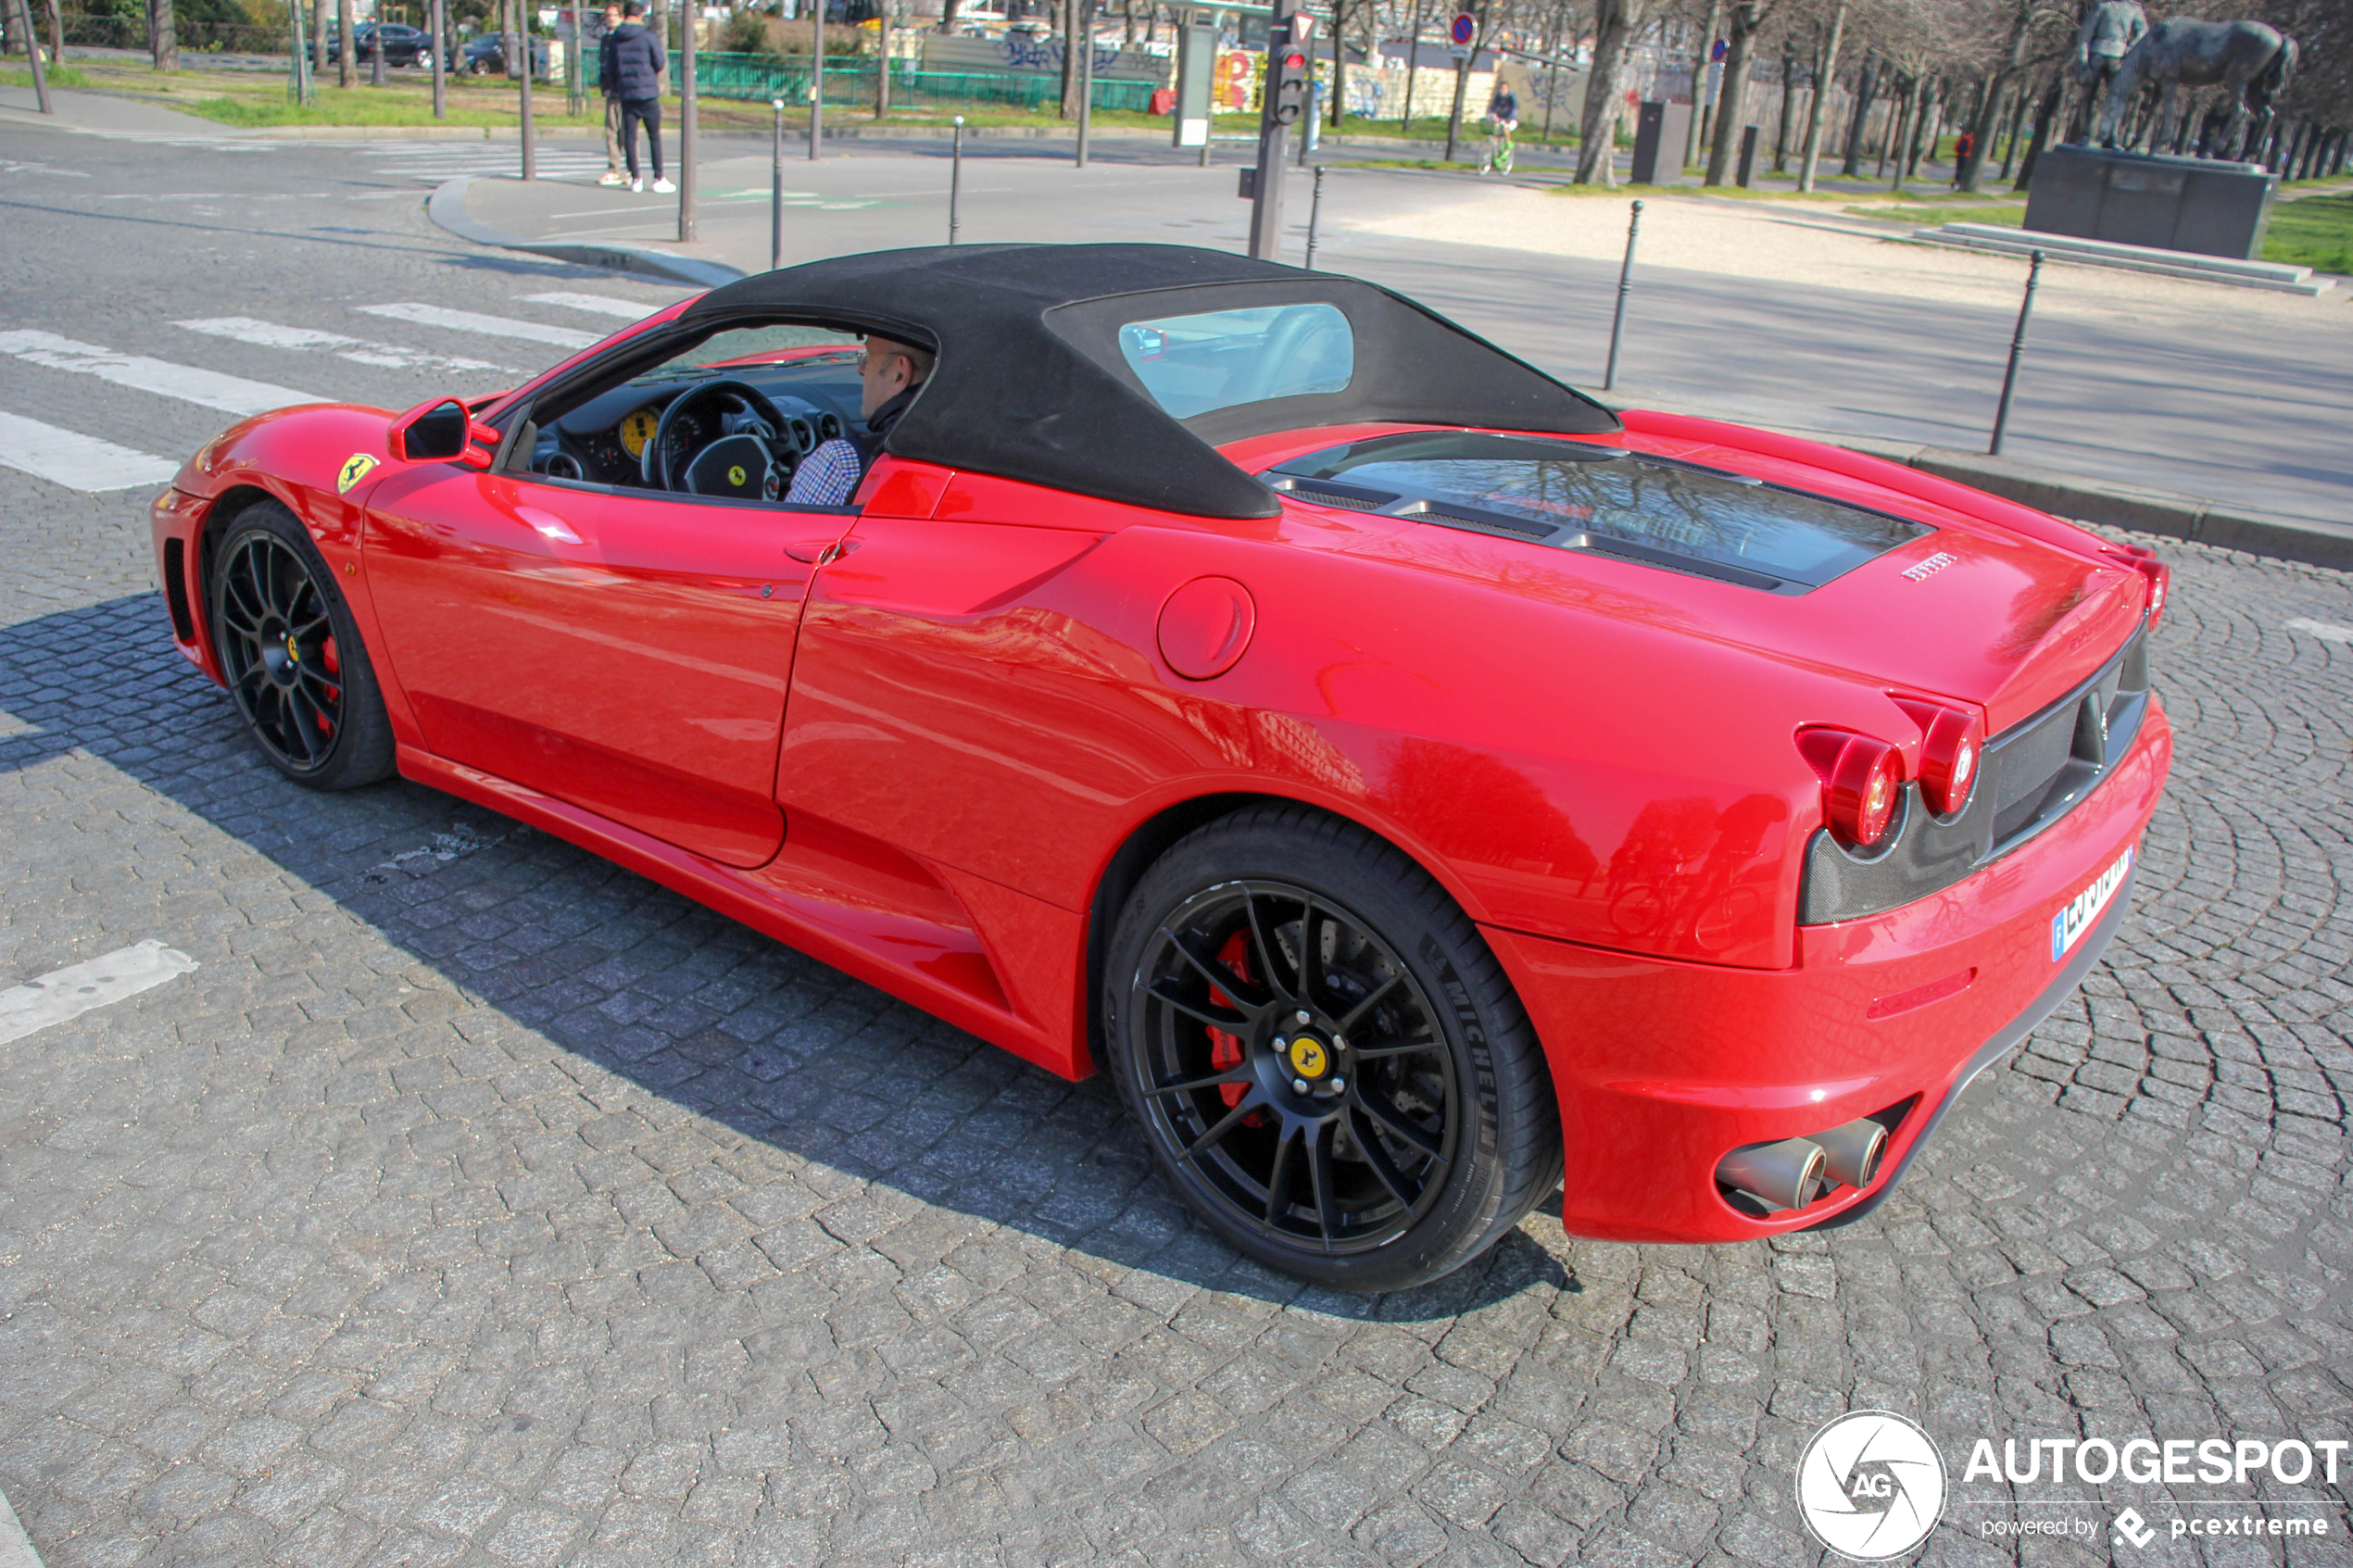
(850, 79)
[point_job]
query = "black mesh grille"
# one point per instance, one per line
(1334, 498)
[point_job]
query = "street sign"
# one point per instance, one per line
(1718, 52)
(1463, 29)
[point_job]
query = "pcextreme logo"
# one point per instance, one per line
(1871, 1485)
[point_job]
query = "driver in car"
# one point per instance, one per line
(890, 374)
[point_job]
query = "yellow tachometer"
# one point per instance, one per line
(638, 429)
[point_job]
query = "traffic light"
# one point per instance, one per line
(1287, 79)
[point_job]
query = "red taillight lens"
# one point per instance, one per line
(1862, 781)
(2160, 576)
(1952, 748)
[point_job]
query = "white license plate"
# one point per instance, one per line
(2083, 912)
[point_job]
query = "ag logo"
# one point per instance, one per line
(1871, 1485)
(355, 469)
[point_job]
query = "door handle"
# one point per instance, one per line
(820, 552)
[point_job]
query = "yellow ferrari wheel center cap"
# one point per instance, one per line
(1309, 1058)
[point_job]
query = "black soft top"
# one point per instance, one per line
(1031, 385)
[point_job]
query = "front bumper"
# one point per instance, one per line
(1663, 1068)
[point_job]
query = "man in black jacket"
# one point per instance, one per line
(636, 59)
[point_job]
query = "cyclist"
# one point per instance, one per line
(1503, 119)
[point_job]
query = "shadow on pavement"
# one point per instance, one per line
(707, 1014)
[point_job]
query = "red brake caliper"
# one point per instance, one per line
(334, 667)
(1226, 1051)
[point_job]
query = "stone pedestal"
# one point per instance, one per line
(2202, 205)
(1661, 133)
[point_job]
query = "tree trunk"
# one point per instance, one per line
(1865, 84)
(1900, 134)
(1825, 77)
(1071, 45)
(343, 49)
(318, 39)
(1597, 129)
(1413, 62)
(1340, 62)
(882, 66)
(2020, 97)
(948, 9)
(1702, 106)
(167, 37)
(1454, 115)
(2044, 115)
(1788, 106)
(1732, 98)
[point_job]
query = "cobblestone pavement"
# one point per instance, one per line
(477, 1202)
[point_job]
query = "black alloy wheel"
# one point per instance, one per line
(292, 655)
(1274, 1014)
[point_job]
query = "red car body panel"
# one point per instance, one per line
(911, 742)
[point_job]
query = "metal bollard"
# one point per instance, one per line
(956, 180)
(776, 190)
(1624, 284)
(817, 79)
(2018, 349)
(1315, 211)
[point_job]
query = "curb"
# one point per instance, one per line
(2119, 506)
(412, 133)
(446, 207)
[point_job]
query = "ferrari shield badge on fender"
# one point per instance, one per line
(355, 469)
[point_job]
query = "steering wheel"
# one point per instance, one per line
(1284, 342)
(741, 463)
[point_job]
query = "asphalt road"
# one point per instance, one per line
(471, 1201)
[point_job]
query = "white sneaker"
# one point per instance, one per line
(664, 186)
(613, 177)
(636, 184)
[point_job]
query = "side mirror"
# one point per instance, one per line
(439, 431)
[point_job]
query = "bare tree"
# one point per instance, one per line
(1825, 78)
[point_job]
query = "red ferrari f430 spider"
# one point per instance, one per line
(1417, 785)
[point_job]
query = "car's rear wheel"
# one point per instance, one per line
(1324, 1055)
(291, 655)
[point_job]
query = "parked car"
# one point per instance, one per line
(403, 46)
(1421, 787)
(487, 55)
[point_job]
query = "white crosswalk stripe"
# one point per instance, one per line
(488, 326)
(77, 462)
(602, 304)
(432, 162)
(272, 334)
(233, 394)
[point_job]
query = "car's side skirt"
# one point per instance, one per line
(950, 973)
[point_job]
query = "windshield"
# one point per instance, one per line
(741, 345)
(1577, 495)
(1192, 364)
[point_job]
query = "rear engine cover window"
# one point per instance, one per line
(1192, 364)
(1574, 495)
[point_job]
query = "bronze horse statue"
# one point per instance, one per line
(2251, 60)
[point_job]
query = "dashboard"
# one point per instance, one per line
(603, 441)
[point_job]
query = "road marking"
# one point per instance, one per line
(77, 988)
(77, 462)
(488, 326)
(15, 1547)
(233, 394)
(602, 304)
(2323, 629)
(270, 334)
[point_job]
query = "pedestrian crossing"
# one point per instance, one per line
(431, 163)
(434, 341)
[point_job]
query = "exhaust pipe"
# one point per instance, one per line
(1851, 1153)
(1787, 1174)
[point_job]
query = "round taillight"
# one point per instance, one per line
(1862, 783)
(1952, 746)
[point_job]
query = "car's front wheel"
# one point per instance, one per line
(291, 654)
(1324, 1055)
